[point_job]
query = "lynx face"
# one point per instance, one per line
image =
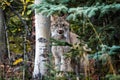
(59, 28)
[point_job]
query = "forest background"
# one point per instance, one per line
(95, 21)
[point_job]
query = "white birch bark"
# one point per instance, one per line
(42, 29)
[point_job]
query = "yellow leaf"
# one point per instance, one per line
(27, 1)
(8, 3)
(17, 61)
(19, 29)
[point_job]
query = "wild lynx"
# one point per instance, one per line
(60, 31)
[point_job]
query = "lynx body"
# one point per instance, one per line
(60, 31)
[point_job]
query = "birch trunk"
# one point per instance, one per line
(2, 35)
(42, 29)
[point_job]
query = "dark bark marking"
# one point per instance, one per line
(42, 40)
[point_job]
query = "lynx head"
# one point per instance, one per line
(59, 27)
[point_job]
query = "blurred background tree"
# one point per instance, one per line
(3, 47)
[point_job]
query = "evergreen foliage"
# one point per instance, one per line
(60, 43)
(51, 7)
(111, 51)
(89, 12)
(113, 77)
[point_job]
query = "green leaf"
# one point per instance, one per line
(29, 12)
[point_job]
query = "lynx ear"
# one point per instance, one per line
(54, 17)
(66, 22)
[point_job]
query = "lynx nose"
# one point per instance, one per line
(60, 31)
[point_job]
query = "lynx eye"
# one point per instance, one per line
(63, 24)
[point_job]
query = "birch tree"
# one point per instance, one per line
(2, 35)
(42, 29)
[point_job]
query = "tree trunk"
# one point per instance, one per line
(2, 35)
(42, 29)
